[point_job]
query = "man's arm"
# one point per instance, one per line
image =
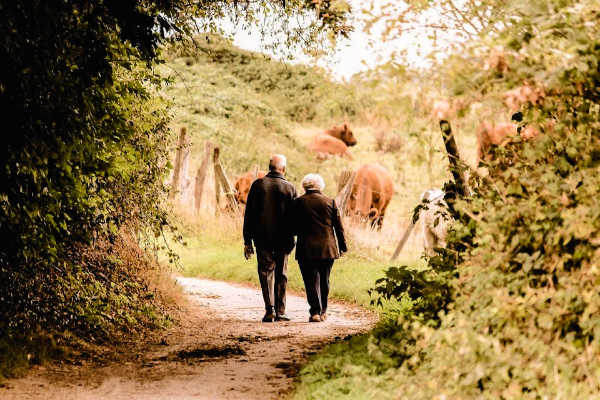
(250, 215)
(339, 229)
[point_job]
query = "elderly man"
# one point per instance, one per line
(267, 207)
(317, 223)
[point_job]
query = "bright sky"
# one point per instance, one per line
(363, 50)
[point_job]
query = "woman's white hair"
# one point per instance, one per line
(313, 182)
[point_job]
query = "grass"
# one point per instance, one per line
(345, 370)
(214, 249)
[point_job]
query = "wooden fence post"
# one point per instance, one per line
(453, 157)
(344, 177)
(455, 169)
(403, 240)
(222, 182)
(342, 198)
(201, 177)
(179, 158)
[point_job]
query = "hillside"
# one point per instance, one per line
(253, 106)
(243, 100)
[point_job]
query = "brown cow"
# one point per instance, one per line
(499, 134)
(325, 145)
(334, 141)
(242, 186)
(343, 133)
(515, 98)
(490, 134)
(371, 194)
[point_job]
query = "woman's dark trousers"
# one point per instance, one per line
(315, 274)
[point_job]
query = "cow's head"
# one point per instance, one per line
(347, 136)
(239, 196)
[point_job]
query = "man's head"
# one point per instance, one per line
(313, 182)
(277, 163)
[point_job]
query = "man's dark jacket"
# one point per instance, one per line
(267, 210)
(316, 220)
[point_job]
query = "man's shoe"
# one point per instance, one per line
(323, 317)
(282, 317)
(269, 316)
(315, 318)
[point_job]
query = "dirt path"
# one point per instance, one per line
(220, 350)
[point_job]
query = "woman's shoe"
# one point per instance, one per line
(323, 317)
(315, 318)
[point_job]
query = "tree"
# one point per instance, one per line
(85, 144)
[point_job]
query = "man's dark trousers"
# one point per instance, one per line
(315, 274)
(272, 274)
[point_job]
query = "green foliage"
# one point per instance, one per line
(86, 154)
(523, 320)
(299, 92)
(429, 291)
(78, 115)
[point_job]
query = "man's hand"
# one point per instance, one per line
(248, 251)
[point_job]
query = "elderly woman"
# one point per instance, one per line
(317, 223)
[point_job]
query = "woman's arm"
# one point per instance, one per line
(339, 229)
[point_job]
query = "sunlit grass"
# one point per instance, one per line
(214, 249)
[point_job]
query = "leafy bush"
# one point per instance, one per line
(523, 320)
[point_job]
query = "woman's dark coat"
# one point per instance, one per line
(316, 221)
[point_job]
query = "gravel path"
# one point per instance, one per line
(220, 350)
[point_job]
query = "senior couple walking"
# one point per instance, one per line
(274, 215)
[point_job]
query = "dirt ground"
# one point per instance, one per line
(219, 350)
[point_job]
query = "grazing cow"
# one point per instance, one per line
(334, 141)
(496, 135)
(490, 135)
(435, 218)
(371, 194)
(242, 185)
(515, 98)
